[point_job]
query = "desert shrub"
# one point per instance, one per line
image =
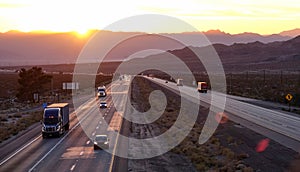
(17, 115)
(3, 118)
(228, 153)
(229, 139)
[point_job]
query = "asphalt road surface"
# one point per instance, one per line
(279, 126)
(73, 151)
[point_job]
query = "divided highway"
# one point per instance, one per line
(281, 127)
(74, 150)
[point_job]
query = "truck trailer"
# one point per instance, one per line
(55, 119)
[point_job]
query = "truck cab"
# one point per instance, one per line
(179, 82)
(202, 87)
(55, 119)
(101, 91)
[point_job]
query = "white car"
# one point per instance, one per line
(101, 142)
(103, 104)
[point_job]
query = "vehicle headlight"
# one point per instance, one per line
(43, 127)
(98, 94)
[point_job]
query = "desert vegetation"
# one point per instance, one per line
(12, 124)
(17, 115)
(210, 156)
(231, 148)
(267, 85)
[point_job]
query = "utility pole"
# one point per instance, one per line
(230, 84)
(281, 77)
(264, 76)
(52, 86)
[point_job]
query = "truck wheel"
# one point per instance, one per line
(67, 126)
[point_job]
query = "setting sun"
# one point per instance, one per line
(230, 16)
(82, 32)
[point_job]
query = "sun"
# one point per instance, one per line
(82, 32)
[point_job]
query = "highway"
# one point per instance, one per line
(73, 151)
(279, 126)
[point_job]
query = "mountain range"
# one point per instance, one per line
(18, 48)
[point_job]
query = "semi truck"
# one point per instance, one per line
(202, 87)
(55, 119)
(179, 82)
(101, 91)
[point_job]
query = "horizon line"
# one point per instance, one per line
(96, 30)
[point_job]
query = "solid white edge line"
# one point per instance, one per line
(72, 168)
(19, 150)
(115, 148)
(62, 139)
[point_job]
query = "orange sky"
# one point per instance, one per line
(231, 16)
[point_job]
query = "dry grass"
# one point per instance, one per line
(14, 126)
(209, 156)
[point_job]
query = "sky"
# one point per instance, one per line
(231, 16)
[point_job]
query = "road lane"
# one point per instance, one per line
(74, 150)
(76, 153)
(285, 124)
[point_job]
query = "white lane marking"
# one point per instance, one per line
(100, 122)
(88, 142)
(97, 127)
(59, 142)
(25, 146)
(81, 153)
(19, 150)
(93, 133)
(72, 168)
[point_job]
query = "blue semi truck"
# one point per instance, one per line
(55, 119)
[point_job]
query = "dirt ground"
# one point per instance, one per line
(231, 148)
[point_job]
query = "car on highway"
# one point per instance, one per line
(103, 104)
(101, 142)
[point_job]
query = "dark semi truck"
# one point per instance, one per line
(55, 119)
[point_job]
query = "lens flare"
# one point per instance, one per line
(262, 145)
(221, 118)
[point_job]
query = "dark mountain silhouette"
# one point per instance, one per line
(253, 56)
(280, 55)
(18, 48)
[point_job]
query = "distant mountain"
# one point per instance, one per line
(217, 36)
(291, 33)
(18, 48)
(228, 39)
(280, 55)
